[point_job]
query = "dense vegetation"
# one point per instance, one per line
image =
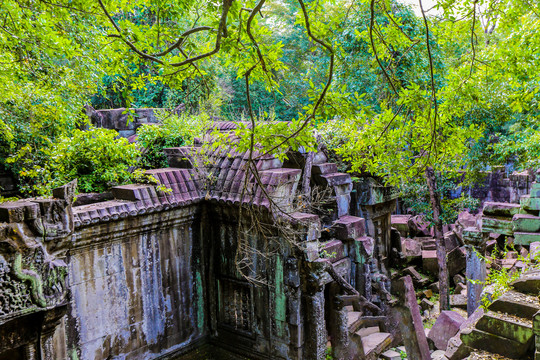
(391, 92)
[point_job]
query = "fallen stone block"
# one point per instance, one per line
(466, 219)
(417, 278)
(526, 223)
(459, 301)
(438, 355)
(456, 350)
(429, 261)
(529, 203)
(418, 226)
(425, 304)
(428, 243)
(534, 250)
(391, 355)
(498, 226)
(446, 326)
(456, 261)
(500, 209)
(435, 287)
(460, 288)
(350, 227)
(401, 223)
(459, 279)
(523, 238)
(411, 248)
(451, 241)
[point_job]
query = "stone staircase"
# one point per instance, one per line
(506, 328)
(365, 333)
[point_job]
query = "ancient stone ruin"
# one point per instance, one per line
(150, 271)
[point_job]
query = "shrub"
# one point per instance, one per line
(97, 158)
(171, 131)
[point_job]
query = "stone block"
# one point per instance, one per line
(459, 301)
(418, 226)
(526, 223)
(435, 287)
(324, 169)
(513, 328)
(18, 211)
(499, 209)
(516, 304)
(459, 279)
(333, 179)
(524, 238)
(429, 261)
(412, 249)
(425, 304)
(460, 289)
(451, 241)
(446, 326)
(534, 250)
(350, 227)
(134, 192)
(391, 355)
(498, 226)
(428, 243)
(529, 203)
(494, 344)
(401, 223)
(417, 278)
(456, 350)
(456, 261)
(332, 250)
(310, 224)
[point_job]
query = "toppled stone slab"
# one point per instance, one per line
(451, 241)
(498, 226)
(500, 209)
(391, 355)
(517, 304)
(417, 278)
(510, 327)
(425, 304)
(526, 223)
(446, 326)
(523, 238)
(528, 283)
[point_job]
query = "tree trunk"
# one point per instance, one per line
(441, 250)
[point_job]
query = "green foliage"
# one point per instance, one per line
(415, 196)
(97, 158)
(172, 131)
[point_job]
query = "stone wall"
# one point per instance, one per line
(136, 285)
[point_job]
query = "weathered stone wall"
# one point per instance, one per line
(137, 286)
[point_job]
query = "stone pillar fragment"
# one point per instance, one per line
(411, 325)
(315, 326)
(476, 267)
